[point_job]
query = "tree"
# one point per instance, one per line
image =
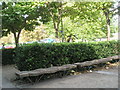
(55, 11)
(92, 12)
(17, 16)
(105, 7)
(81, 30)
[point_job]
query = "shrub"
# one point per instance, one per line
(34, 56)
(7, 56)
(106, 48)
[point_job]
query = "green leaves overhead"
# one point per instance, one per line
(88, 11)
(84, 19)
(17, 16)
(90, 19)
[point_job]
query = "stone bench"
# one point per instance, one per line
(41, 71)
(54, 69)
(97, 61)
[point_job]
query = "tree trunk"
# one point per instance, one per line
(56, 33)
(56, 29)
(56, 23)
(108, 32)
(107, 24)
(16, 37)
(17, 42)
(60, 20)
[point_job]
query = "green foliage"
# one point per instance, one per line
(87, 31)
(7, 56)
(90, 19)
(17, 16)
(34, 56)
(88, 11)
(13, 16)
(55, 12)
(86, 20)
(106, 48)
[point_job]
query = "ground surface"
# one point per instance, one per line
(106, 78)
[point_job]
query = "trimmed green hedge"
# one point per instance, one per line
(7, 56)
(34, 56)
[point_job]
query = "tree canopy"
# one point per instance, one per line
(64, 20)
(17, 16)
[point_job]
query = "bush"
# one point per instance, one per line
(34, 56)
(7, 56)
(106, 48)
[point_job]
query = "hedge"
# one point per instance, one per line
(8, 56)
(34, 56)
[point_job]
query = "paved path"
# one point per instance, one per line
(96, 79)
(8, 75)
(104, 79)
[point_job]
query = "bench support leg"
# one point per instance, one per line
(30, 80)
(39, 78)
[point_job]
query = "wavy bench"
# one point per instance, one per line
(41, 71)
(54, 69)
(97, 61)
